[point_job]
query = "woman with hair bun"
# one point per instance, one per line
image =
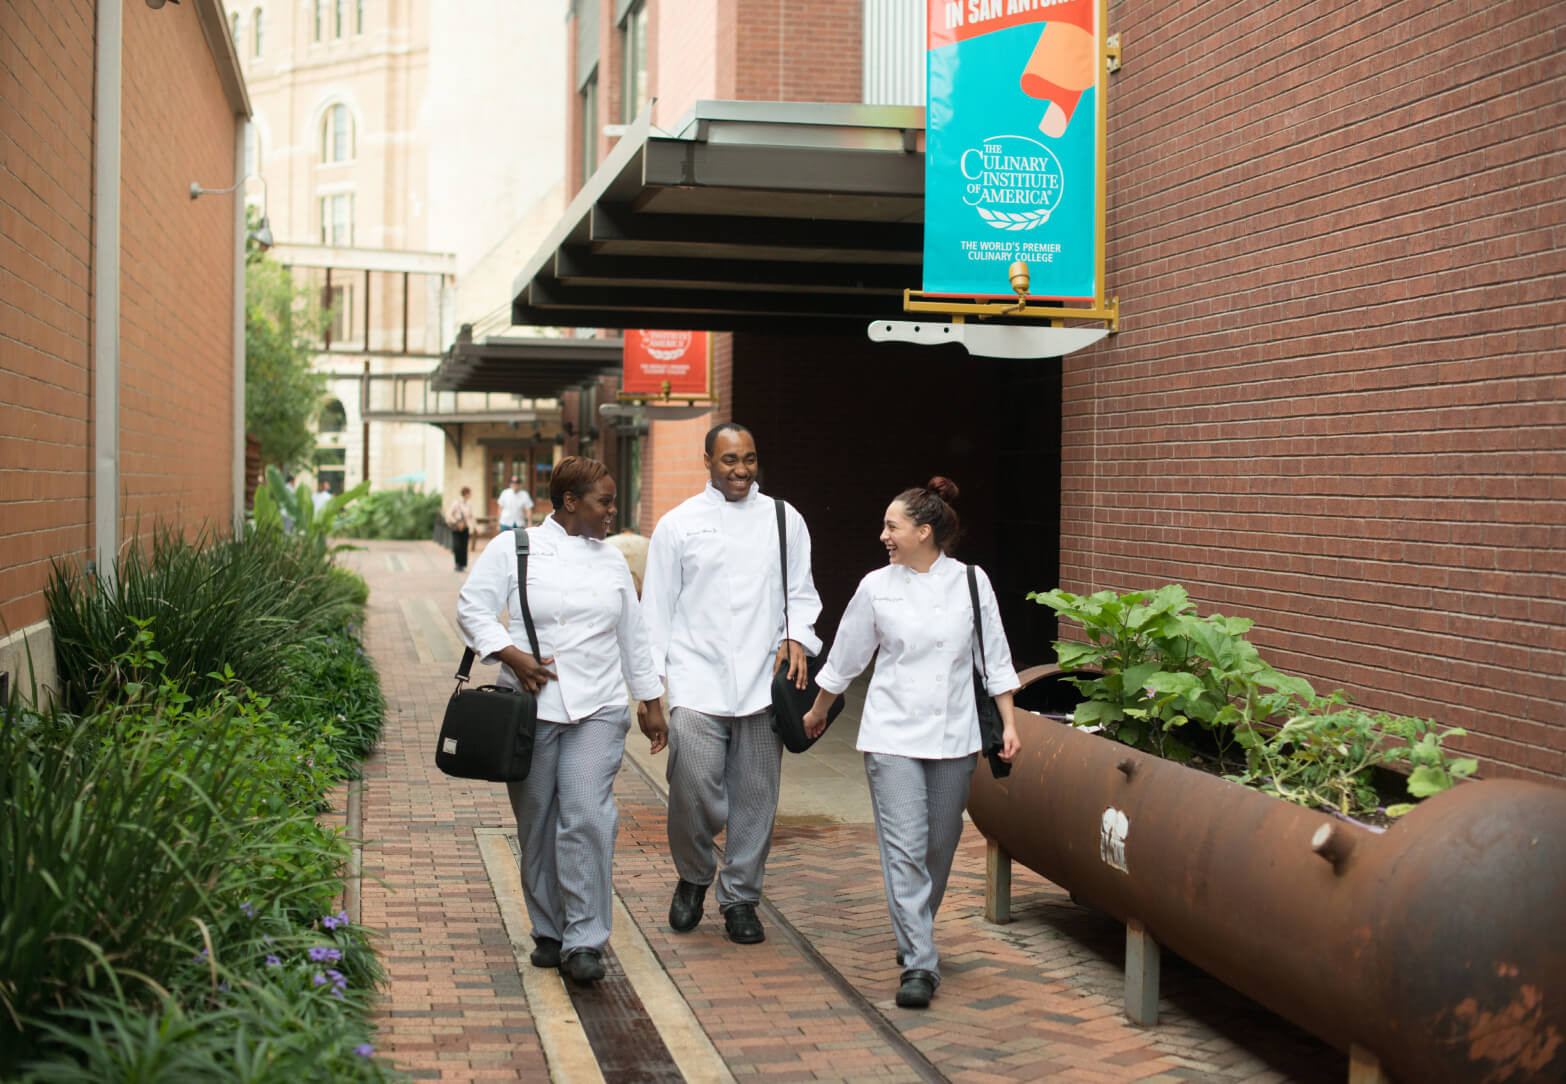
(919, 731)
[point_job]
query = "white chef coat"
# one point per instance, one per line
(584, 611)
(514, 506)
(920, 702)
(712, 596)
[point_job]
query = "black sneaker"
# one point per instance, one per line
(916, 990)
(546, 952)
(584, 966)
(685, 908)
(743, 925)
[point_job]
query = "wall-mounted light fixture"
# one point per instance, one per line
(262, 234)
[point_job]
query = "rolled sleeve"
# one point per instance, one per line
(804, 602)
(999, 674)
(855, 644)
(636, 660)
(483, 597)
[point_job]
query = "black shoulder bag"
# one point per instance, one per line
(992, 727)
(789, 702)
(488, 731)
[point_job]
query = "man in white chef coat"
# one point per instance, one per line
(712, 599)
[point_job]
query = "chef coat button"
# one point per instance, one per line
(940, 643)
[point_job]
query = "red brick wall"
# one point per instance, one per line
(177, 277)
(176, 346)
(799, 51)
(46, 92)
(1338, 404)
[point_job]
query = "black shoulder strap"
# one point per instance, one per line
(777, 503)
(527, 615)
(978, 622)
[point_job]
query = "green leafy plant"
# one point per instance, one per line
(1151, 666)
(1156, 667)
(393, 513)
(279, 509)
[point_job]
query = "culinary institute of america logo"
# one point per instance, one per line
(665, 345)
(1012, 181)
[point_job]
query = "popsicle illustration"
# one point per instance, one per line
(1063, 65)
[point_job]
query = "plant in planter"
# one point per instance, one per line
(1158, 667)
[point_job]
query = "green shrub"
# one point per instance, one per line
(212, 603)
(142, 845)
(391, 513)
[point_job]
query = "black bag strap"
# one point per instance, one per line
(468, 654)
(777, 502)
(978, 622)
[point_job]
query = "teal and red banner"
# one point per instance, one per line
(1012, 150)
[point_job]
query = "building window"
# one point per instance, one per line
(233, 28)
(255, 31)
(340, 300)
(633, 52)
(337, 8)
(334, 419)
(320, 19)
(337, 219)
(588, 100)
(337, 135)
(358, 17)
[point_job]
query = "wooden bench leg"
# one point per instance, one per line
(1142, 963)
(997, 883)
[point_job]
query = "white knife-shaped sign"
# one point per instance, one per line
(999, 341)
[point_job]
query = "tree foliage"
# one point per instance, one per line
(284, 323)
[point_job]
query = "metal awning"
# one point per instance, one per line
(749, 216)
(534, 367)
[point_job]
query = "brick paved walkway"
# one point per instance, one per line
(1038, 998)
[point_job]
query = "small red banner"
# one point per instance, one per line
(671, 364)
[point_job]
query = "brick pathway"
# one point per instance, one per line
(1034, 999)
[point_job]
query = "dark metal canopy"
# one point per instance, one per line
(534, 367)
(750, 216)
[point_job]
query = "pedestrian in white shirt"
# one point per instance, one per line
(516, 505)
(920, 728)
(590, 632)
(713, 599)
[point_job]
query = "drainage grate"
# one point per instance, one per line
(626, 1043)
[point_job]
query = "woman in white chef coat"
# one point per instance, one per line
(593, 642)
(920, 728)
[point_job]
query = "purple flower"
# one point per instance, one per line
(339, 980)
(318, 979)
(321, 952)
(336, 992)
(364, 1050)
(248, 908)
(342, 917)
(273, 961)
(329, 922)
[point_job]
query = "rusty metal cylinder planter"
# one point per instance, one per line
(1440, 945)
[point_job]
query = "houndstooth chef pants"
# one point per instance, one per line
(918, 820)
(567, 821)
(723, 776)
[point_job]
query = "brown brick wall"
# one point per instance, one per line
(46, 110)
(1338, 404)
(176, 347)
(799, 51)
(177, 276)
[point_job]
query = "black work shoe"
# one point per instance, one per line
(743, 925)
(584, 966)
(917, 988)
(546, 952)
(685, 908)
